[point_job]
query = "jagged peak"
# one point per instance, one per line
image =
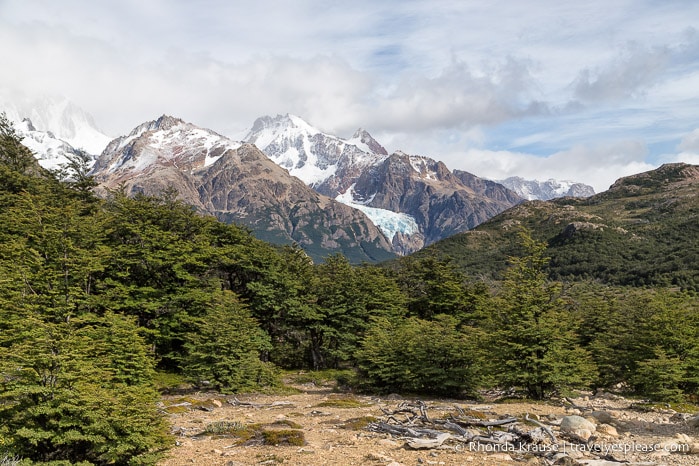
(288, 119)
(164, 122)
(367, 139)
(30, 126)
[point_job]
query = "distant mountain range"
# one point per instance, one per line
(546, 190)
(323, 192)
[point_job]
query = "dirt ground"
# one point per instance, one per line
(199, 422)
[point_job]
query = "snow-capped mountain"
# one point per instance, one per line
(52, 128)
(49, 151)
(325, 162)
(546, 190)
(65, 120)
(236, 182)
(415, 200)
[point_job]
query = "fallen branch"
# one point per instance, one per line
(479, 423)
(546, 429)
(426, 444)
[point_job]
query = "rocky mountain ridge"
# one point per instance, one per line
(237, 183)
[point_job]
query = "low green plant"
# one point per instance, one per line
(283, 437)
(358, 423)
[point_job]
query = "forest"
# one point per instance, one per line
(102, 297)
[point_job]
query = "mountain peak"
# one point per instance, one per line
(317, 158)
(280, 121)
(363, 137)
(167, 122)
(164, 138)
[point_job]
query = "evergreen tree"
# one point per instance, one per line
(346, 298)
(224, 348)
(435, 286)
(74, 386)
(659, 378)
(535, 345)
(68, 393)
(420, 356)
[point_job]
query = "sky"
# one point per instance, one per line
(587, 91)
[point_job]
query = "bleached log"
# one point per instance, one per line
(427, 444)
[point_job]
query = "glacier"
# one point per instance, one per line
(389, 222)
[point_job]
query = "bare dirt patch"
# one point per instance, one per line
(319, 427)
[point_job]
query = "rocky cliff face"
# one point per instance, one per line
(237, 183)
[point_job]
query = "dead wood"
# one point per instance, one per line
(422, 432)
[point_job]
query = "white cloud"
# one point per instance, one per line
(690, 143)
(505, 82)
(629, 74)
(599, 166)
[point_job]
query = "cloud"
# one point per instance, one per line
(690, 143)
(524, 85)
(457, 98)
(597, 165)
(629, 74)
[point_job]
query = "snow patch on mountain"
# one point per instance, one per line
(422, 166)
(390, 223)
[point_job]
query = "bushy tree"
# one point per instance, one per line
(534, 344)
(78, 390)
(659, 378)
(224, 348)
(435, 286)
(74, 385)
(633, 332)
(346, 298)
(420, 356)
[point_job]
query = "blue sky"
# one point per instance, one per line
(588, 91)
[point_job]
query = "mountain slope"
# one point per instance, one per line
(237, 183)
(643, 231)
(415, 200)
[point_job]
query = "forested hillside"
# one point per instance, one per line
(98, 296)
(643, 231)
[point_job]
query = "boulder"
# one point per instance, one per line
(603, 417)
(578, 426)
(609, 431)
